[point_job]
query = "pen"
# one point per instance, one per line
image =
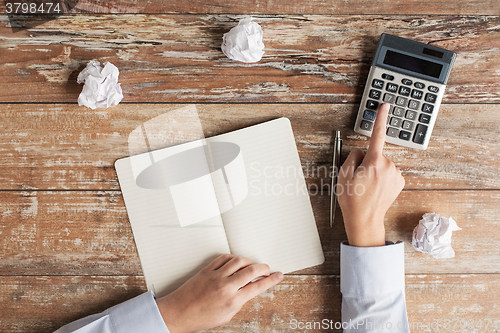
(337, 150)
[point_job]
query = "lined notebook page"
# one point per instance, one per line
(171, 254)
(274, 224)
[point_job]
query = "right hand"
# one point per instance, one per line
(367, 187)
(215, 294)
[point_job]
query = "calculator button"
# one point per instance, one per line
(401, 101)
(420, 134)
(387, 77)
(396, 122)
(389, 98)
(407, 82)
(431, 98)
(391, 87)
(398, 111)
(392, 132)
(366, 125)
(417, 94)
(427, 108)
(433, 89)
(424, 118)
(412, 115)
(375, 94)
(370, 115)
(404, 135)
(413, 105)
(419, 85)
(373, 105)
(408, 125)
(405, 91)
(379, 84)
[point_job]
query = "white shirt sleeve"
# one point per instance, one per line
(139, 314)
(372, 283)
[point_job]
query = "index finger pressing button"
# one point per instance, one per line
(379, 131)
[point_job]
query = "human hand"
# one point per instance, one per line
(215, 294)
(369, 184)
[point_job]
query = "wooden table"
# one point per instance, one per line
(67, 249)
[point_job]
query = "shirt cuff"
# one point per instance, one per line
(139, 314)
(371, 271)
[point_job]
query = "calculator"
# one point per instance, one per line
(411, 77)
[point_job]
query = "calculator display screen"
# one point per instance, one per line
(413, 64)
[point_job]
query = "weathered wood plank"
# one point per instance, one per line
(290, 7)
(34, 304)
(88, 233)
(71, 147)
(177, 58)
(66, 233)
(45, 303)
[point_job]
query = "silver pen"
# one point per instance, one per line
(337, 150)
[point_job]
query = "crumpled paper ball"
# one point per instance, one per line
(433, 235)
(244, 42)
(101, 88)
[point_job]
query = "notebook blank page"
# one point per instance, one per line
(274, 224)
(169, 253)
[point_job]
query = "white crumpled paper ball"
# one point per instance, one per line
(244, 42)
(433, 235)
(101, 88)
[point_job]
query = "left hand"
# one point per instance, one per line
(215, 294)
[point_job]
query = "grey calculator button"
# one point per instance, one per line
(431, 98)
(412, 115)
(407, 82)
(392, 132)
(391, 87)
(398, 111)
(405, 91)
(401, 101)
(408, 125)
(417, 94)
(433, 89)
(379, 84)
(427, 108)
(387, 77)
(404, 135)
(420, 132)
(389, 98)
(375, 94)
(419, 85)
(396, 122)
(366, 125)
(413, 105)
(372, 105)
(424, 118)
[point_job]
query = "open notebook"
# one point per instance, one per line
(241, 192)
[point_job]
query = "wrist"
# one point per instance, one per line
(366, 233)
(168, 313)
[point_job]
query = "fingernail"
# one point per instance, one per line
(280, 275)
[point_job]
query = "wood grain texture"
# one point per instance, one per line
(88, 233)
(66, 243)
(70, 147)
(42, 304)
(45, 303)
(289, 7)
(177, 58)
